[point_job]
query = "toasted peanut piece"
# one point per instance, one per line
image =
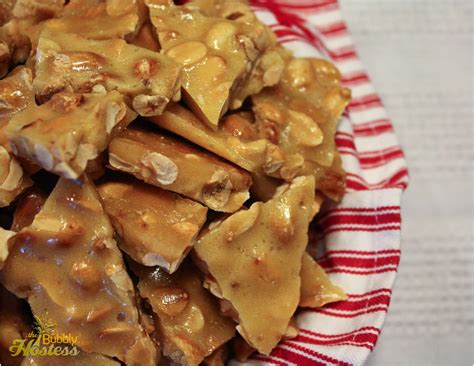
(156, 227)
(254, 258)
(164, 161)
(38, 8)
(68, 265)
(5, 236)
(65, 133)
(300, 115)
(28, 206)
(15, 45)
(70, 62)
(13, 181)
(218, 56)
(6, 7)
(316, 288)
(14, 325)
(187, 316)
(237, 140)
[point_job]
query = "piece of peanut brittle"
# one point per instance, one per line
(68, 62)
(316, 288)
(217, 55)
(235, 140)
(253, 260)
(300, 115)
(187, 315)
(69, 130)
(6, 7)
(13, 181)
(67, 264)
(156, 227)
(167, 162)
(217, 358)
(81, 359)
(29, 205)
(15, 45)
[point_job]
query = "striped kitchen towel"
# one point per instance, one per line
(361, 235)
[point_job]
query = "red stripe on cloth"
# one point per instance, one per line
(355, 78)
(323, 335)
(359, 229)
(375, 220)
(362, 273)
(365, 102)
(344, 142)
(336, 210)
(372, 128)
(356, 305)
(382, 159)
(374, 262)
(314, 5)
(334, 253)
(362, 340)
(333, 29)
(370, 293)
(352, 315)
(300, 360)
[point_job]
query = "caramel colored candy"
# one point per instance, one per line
(67, 265)
(316, 288)
(15, 45)
(13, 181)
(156, 227)
(239, 143)
(167, 162)
(300, 116)
(217, 55)
(187, 315)
(69, 130)
(68, 62)
(253, 259)
(28, 206)
(82, 359)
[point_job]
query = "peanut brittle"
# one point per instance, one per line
(217, 55)
(14, 324)
(82, 359)
(253, 259)
(28, 206)
(316, 288)
(6, 7)
(13, 181)
(68, 265)
(40, 9)
(300, 115)
(236, 139)
(217, 358)
(187, 315)
(68, 62)
(69, 130)
(164, 161)
(15, 45)
(156, 227)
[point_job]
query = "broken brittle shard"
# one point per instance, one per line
(316, 288)
(300, 116)
(236, 139)
(70, 63)
(217, 54)
(27, 208)
(253, 261)
(167, 162)
(189, 324)
(69, 130)
(155, 227)
(67, 265)
(13, 181)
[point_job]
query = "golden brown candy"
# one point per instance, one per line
(67, 62)
(253, 259)
(217, 358)
(316, 288)
(167, 162)
(28, 206)
(217, 55)
(156, 227)
(15, 45)
(67, 264)
(82, 359)
(236, 141)
(69, 130)
(13, 180)
(188, 318)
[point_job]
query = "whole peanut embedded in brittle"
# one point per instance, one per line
(67, 264)
(187, 316)
(69, 130)
(167, 162)
(217, 55)
(236, 139)
(67, 62)
(253, 260)
(155, 227)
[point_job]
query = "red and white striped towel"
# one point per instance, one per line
(361, 235)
